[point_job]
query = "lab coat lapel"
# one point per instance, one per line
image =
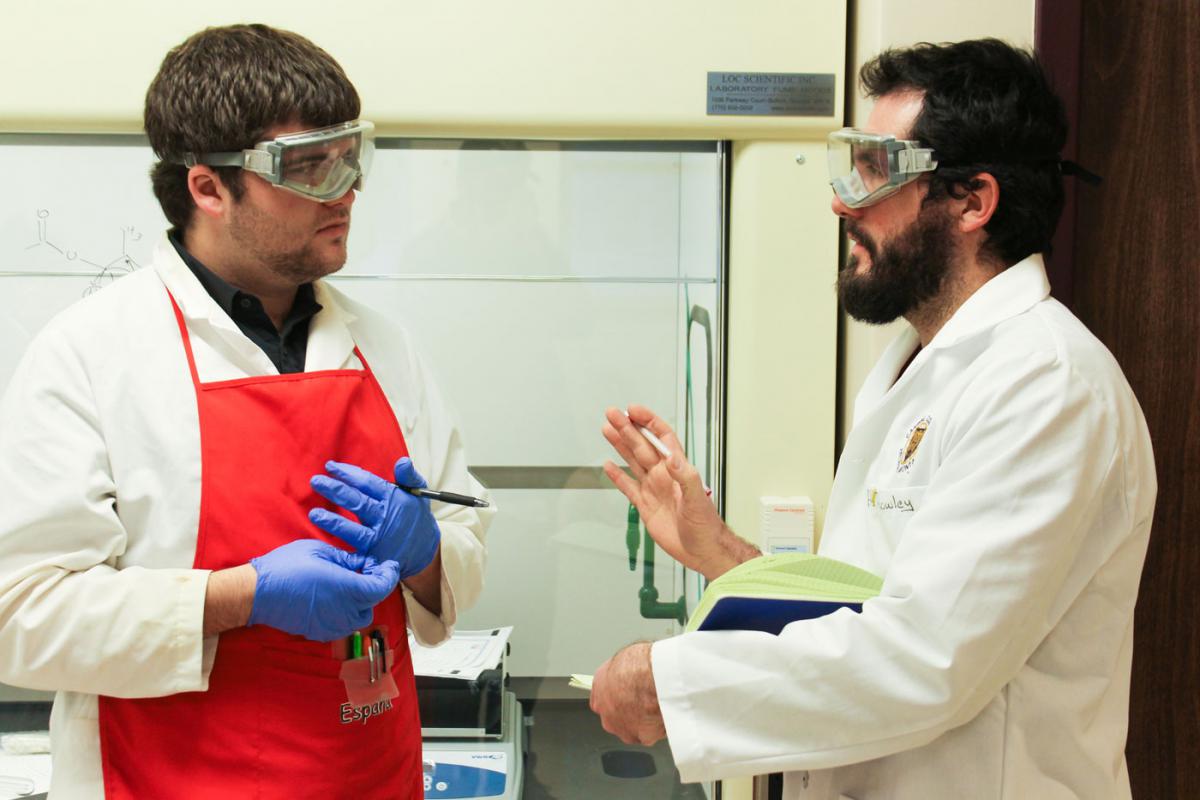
(1012, 292)
(870, 419)
(883, 375)
(330, 344)
(207, 319)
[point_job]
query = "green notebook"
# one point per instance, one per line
(767, 593)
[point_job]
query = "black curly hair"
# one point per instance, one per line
(988, 107)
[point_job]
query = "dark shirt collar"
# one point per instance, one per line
(220, 291)
(227, 295)
(285, 348)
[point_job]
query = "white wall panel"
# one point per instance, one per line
(530, 367)
(559, 572)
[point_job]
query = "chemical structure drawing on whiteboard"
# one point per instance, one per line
(109, 270)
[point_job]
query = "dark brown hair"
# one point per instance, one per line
(222, 88)
(988, 108)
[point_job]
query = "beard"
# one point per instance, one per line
(295, 258)
(905, 273)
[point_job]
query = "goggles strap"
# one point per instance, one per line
(1068, 167)
(1065, 166)
(190, 160)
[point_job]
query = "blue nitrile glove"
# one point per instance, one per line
(395, 526)
(313, 589)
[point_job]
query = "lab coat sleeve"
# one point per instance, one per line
(69, 619)
(977, 581)
(437, 451)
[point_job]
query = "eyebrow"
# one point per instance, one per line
(309, 159)
(862, 157)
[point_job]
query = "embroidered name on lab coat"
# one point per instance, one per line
(889, 502)
(907, 453)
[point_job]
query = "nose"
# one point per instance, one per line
(842, 210)
(345, 201)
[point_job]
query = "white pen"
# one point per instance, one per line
(651, 438)
(659, 446)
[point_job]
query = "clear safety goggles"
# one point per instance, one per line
(322, 164)
(864, 167)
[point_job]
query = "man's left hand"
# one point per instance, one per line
(624, 696)
(393, 524)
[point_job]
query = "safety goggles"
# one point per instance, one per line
(322, 164)
(864, 168)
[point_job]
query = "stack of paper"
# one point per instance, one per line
(464, 656)
(767, 593)
(21, 776)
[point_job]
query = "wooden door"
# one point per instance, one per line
(1129, 265)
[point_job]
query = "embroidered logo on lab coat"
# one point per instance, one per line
(907, 453)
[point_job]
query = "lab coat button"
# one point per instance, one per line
(804, 779)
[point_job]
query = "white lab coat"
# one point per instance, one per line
(100, 493)
(995, 663)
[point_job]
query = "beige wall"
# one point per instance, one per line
(536, 68)
(879, 24)
(782, 329)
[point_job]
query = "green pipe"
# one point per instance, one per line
(632, 535)
(651, 608)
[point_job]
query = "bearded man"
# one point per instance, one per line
(998, 477)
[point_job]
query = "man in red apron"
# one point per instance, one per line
(277, 684)
(312, 562)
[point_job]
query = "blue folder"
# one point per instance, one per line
(766, 614)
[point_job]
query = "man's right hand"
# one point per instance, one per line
(315, 590)
(670, 496)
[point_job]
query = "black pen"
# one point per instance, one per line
(446, 497)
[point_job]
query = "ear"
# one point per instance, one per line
(209, 193)
(980, 203)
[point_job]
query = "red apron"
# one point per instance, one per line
(275, 721)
